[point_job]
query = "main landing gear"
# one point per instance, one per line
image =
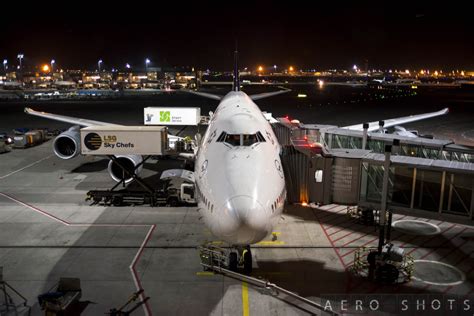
(236, 258)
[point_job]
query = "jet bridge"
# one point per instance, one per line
(326, 164)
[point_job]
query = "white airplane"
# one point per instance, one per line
(239, 178)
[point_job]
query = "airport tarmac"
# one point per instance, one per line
(48, 231)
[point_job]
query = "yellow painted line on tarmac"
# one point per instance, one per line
(217, 242)
(271, 243)
(245, 299)
(276, 233)
(205, 273)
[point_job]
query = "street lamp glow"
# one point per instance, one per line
(127, 66)
(147, 61)
(45, 68)
(260, 68)
(354, 67)
(20, 57)
(5, 62)
(291, 68)
(99, 63)
(52, 64)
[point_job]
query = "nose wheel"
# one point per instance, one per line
(247, 260)
(236, 258)
(240, 258)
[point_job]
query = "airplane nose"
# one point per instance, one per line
(240, 206)
(246, 221)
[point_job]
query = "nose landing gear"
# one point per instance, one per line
(236, 258)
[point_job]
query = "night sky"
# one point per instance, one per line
(306, 34)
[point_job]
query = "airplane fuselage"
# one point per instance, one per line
(240, 183)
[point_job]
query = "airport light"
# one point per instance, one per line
(52, 64)
(20, 58)
(147, 61)
(99, 63)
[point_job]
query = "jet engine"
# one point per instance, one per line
(129, 162)
(67, 145)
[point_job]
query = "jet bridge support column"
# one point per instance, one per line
(381, 125)
(383, 206)
(365, 127)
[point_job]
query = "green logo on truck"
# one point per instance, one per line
(165, 116)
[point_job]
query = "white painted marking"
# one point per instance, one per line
(436, 227)
(136, 280)
(461, 274)
(21, 169)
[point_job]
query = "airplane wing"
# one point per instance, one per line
(253, 97)
(267, 94)
(373, 126)
(68, 119)
(85, 122)
(204, 94)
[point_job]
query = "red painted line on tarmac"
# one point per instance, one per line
(452, 250)
(467, 256)
(338, 223)
(327, 210)
(339, 230)
(351, 241)
(353, 250)
(346, 235)
(433, 237)
(332, 216)
(348, 285)
(428, 240)
(333, 246)
(136, 279)
(34, 208)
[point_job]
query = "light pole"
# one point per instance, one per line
(99, 63)
(52, 65)
(5, 62)
(147, 61)
(127, 66)
(20, 57)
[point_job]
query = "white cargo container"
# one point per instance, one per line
(124, 140)
(171, 116)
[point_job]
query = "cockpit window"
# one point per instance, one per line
(249, 139)
(221, 137)
(241, 139)
(232, 139)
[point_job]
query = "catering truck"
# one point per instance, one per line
(172, 116)
(175, 188)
